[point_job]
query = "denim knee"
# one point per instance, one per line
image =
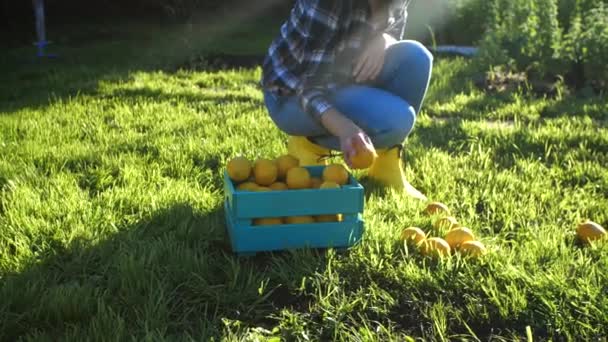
(397, 131)
(411, 49)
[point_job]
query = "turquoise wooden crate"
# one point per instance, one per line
(241, 207)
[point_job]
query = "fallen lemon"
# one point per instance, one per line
(285, 163)
(299, 219)
(472, 248)
(267, 221)
(437, 208)
(336, 173)
(590, 231)
(435, 246)
(459, 235)
(278, 186)
(447, 222)
(239, 169)
(265, 172)
(413, 234)
(298, 178)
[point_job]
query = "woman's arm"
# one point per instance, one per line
(397, 20)
(353, 140)
(388, 28)
(319, 24)
(316, 24)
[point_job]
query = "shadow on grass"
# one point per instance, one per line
(222, 97)
(31, 82)
(44, 84)
(170, 275)
(571, 106)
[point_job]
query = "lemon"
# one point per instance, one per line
(315, 182)
(298, 178)
(247, 186)
(262, 189)
(437, 208)
(267, 221)
(278, 186)
(335, 173)
(284, 163)
(589, 231)
(329, 218)
(435, 246)
(473, 248)
(329, 185)
(363, 159)
(447, 222)
(265, 172)
(238, 169)
(299, 219)
(413, 234)
(458, 235)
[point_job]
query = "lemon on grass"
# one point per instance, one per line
(447, 222)
(413, 235)
(589, 231)
(455, 237)
(437, 208)
(472, 248)
(435, 246)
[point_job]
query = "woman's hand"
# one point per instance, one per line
(355, 143)
(370, 62)
(353, 139)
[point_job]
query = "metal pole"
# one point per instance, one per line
(40, 28)
(39, 12)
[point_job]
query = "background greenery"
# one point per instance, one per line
(556, 41)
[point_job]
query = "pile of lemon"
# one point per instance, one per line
(284, 174)
(457, 239)
(462, 239)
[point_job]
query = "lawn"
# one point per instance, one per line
(112, 226)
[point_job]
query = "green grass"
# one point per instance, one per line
(111, 219)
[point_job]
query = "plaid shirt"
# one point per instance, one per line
(318, 45)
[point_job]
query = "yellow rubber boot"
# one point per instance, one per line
(306, 152)
(388, 169)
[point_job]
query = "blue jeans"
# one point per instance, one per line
(386, 110)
